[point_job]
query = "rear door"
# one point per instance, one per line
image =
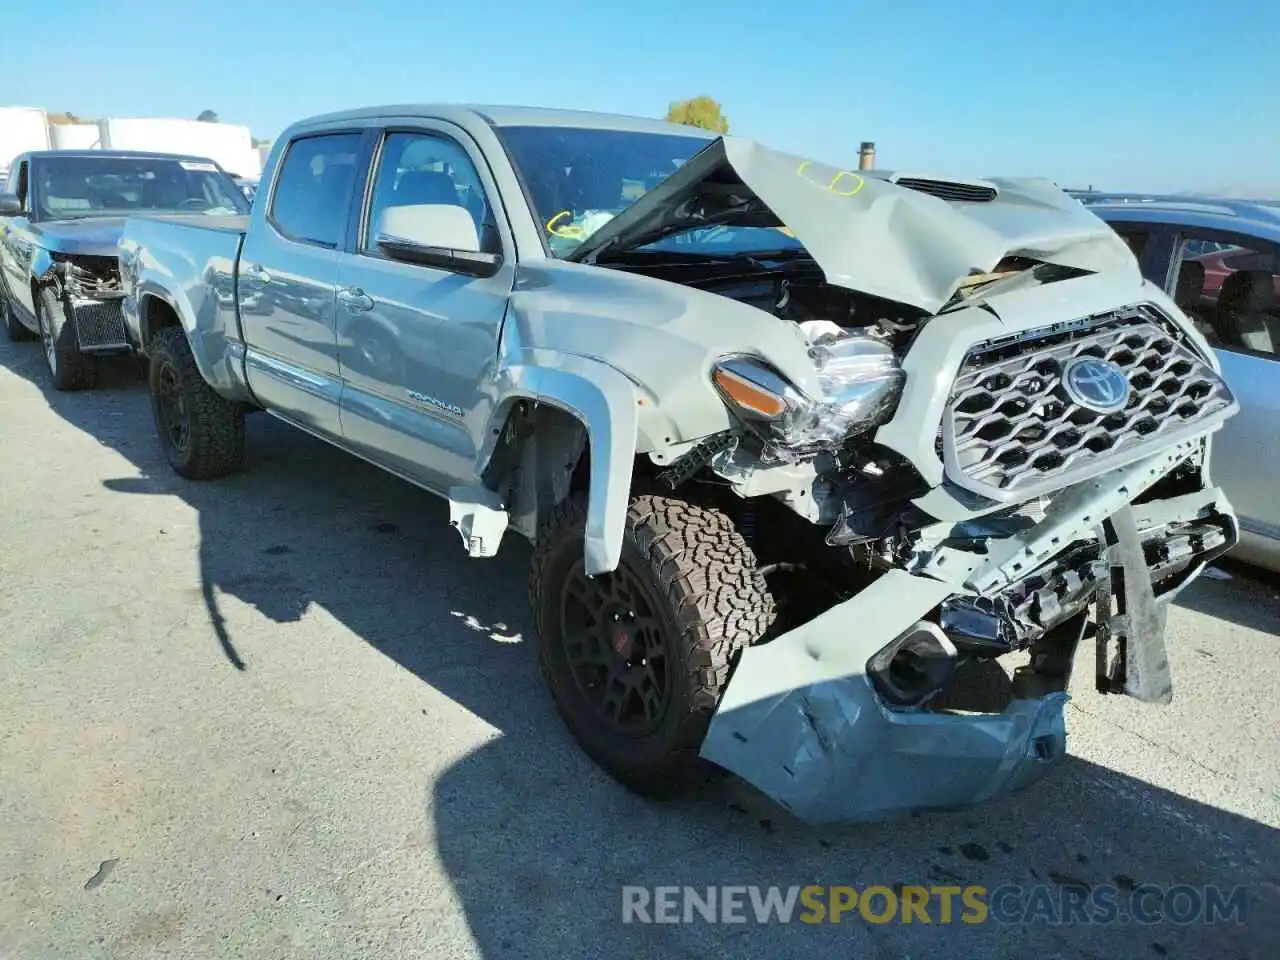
(287, 280)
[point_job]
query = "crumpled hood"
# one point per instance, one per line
(867, 232)
(90, 237)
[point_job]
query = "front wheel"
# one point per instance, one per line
(637, 659)
(68, 367)
(202, 433)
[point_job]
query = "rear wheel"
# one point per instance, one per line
(202, 433)
(637, 659)
(68, 367)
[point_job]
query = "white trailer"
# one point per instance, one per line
(22, 129)
(229, 145)
(74, 136)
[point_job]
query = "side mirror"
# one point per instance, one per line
(435, 235)
(10, 205)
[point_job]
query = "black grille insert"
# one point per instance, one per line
(950, 189)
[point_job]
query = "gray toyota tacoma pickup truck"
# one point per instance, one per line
(803, 452)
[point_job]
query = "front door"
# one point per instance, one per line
(286, 282)
(418, 345)
(17, 245)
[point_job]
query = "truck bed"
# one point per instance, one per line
(189, 262)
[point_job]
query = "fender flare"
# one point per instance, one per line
(219, 359)
(604, 401)
(43, 270)
(147, 291)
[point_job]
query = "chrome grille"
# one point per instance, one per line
(99, 324)
(1011, 430)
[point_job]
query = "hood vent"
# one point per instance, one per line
(955, 190)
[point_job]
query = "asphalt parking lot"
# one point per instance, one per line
(282, 715)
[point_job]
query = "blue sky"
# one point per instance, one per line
(1123, 94)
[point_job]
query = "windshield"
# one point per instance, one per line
(578, 179)
(74, 187)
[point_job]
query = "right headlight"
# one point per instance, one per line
(860, 382)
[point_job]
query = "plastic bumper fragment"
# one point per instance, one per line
(801, 721)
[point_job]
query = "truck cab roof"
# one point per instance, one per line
(501, 116)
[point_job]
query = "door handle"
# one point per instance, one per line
(258, 273)
(353, 298)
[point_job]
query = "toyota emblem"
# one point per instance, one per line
(1096, 385)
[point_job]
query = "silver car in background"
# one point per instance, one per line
(1220, 261)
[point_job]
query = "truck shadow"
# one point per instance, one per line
(538, 843)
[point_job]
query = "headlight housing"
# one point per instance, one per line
(860, 382)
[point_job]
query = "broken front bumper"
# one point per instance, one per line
(802, 720)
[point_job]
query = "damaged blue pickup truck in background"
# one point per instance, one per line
(798, 449)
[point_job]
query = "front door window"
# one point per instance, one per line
(1230, 287)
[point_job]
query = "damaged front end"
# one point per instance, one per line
(1054, 521)
(89, 290)
(985, 440)
(861, 713)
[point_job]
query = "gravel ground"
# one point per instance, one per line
(282, 715)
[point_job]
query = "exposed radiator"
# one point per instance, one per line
(99, 324)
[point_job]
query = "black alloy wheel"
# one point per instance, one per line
(172, 416)
(616, 648)
(636, 659)
(202, 433)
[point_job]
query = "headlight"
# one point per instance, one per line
(754, 390)
(859, 380)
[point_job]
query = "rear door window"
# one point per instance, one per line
(313, 191)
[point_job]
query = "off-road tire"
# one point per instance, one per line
(215, 426)
(69, 369)
(712, 602)
(15, 329)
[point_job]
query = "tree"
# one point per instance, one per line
(699, 112)
(208, 116)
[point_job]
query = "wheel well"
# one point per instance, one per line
(580, 479)
(540, 457)
(49, 282)
(155, 315)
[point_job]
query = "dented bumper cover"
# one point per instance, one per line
(802, 721)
